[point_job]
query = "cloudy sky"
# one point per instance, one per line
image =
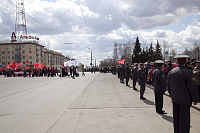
(57, 22)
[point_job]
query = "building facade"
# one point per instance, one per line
(28, 53)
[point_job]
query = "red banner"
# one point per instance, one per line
(121, 61)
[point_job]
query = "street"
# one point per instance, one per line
(94, 103)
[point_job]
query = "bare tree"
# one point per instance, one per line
(196, 47)
(115, 54)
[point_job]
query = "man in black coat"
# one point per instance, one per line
(128, 73)
(135, 76)
(142, 80)
(183, 92)
(159, 85)
(122, 73)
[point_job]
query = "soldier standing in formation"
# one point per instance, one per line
(122, 73)
(183, 92)
(142, 80)
(134, 76)
(158, 81)
(128, 72)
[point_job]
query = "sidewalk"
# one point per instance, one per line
(107, 106)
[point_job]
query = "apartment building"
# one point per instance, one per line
(28, 53)
(53, 58)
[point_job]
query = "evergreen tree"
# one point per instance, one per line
(158, 52)
(146, 54)
(151, 53)
(137, 51)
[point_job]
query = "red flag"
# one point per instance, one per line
(2, 68)
(30, 67)
(27, 61)
(121, 61)
(8, 67)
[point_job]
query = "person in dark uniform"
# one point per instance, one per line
(128, 73)
(73, 72)
(159, 85)
(142, 80)
(118, 71)
(122, 73)
(135, 76)
(183, 92)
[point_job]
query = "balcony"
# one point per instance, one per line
(17, 54)
(37, 54)
(17, 48)
(42, 54)
(37, 48)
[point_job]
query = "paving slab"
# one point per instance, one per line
(95, 103)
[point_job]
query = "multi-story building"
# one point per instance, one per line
(28, 53)
(53, 58)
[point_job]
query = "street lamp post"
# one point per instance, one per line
(91, 56)
(95, 62)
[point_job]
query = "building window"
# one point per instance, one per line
(12, 52)
(3, 47)
(3, 63)
(23, 57)
(30, 62)
(13, 57)
(23, 62)
(23, 51)
(30, 46)
(30, 57)
(8, 52)
(22, 45)
(3, 52)
(8, 58)
(8, 47)
(30, 51)
(13, 46)
(3, 57)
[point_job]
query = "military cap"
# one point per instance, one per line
(181, 57)
(159, 61)
(197, 61)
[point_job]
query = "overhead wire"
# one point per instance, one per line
(47, 31)
(84, 19)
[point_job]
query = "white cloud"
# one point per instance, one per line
(107, 22)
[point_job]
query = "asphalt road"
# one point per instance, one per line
(95, 103)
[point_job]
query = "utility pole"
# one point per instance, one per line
(91, 56)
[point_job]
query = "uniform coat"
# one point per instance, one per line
(141, 76)
(134, 76)
(128, 73)
(122, 74)
(181, 86)
(159, 85)
(159, 81)
(142, 81)
(183, 91)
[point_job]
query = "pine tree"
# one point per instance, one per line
(137, 51)
(151, 53)
(158, 52)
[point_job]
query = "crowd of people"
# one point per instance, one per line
(40, 72)
(180, 79)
